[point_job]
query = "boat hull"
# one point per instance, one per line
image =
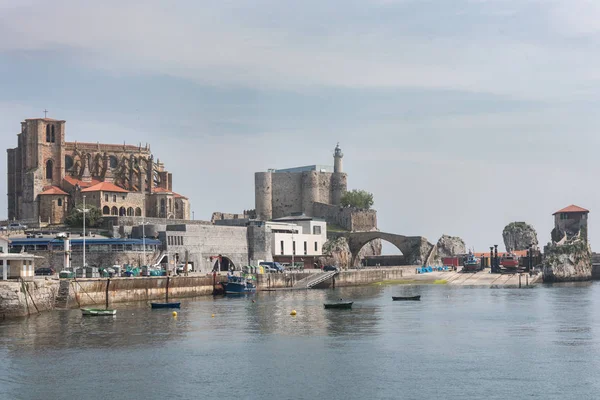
(95, 312)
(406, 298)
(237, 288)
(346, 305)
(165, 305)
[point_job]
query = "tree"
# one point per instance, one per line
(357, 198)
(93, 217)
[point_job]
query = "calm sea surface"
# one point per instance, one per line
(456, 343)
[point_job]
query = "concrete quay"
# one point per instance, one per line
(479, 279)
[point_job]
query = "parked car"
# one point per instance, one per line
(273, 265)
(16, 227)
(330, 268)
(45, 271)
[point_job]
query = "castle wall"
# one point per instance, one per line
(310, 191)
(339, 184)
(287, 193)
(351, 219)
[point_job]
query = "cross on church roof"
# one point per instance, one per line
(45, 113)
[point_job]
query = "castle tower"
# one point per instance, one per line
(337, 159)
(263, 195)
(339, 180)
(310, 191)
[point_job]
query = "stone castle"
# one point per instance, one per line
(48, 176)
(283, 192)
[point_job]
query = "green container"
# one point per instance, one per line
(66, 274)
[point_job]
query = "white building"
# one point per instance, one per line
(298, 236)
(15, 265)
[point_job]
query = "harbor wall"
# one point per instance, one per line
(19, 298)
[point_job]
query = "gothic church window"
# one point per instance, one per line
(49, 167)
(69, 162)
(52, 136)
(48, 133)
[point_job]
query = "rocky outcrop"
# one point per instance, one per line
(337, 252)
(518, 236)
(450, 246)
(568, 262)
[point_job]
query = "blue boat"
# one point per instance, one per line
(165, 305)
(472, 263)
(238, 285)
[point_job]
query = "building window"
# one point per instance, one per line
(316, 247)
(49, 167)
(48, 134)
(122, 212)
(305, 248)
(59, 202)
(282, 247)
(123, 197)
(170, 208)
(316, 230)
(69, 162)
(293, 247)
(138, 212)
(114, 211)
(105, 196)
(130, 212)
(52, 135)
(105, 210)
(114, 198)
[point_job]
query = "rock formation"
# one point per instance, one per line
(567, 262)
(450, 246)
(337, 252)
(518, 236)
(446, 246)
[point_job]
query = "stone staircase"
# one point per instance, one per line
(314, 280)
(62, 297)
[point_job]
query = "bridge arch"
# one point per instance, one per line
(415, 249)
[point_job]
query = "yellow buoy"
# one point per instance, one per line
(174, 313)
(293, 312)
(212, 316)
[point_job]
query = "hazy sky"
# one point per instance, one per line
(459, 115)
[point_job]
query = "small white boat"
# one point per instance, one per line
(97, 311)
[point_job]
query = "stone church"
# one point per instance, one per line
(48, 176)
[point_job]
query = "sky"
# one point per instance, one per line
(459, 116)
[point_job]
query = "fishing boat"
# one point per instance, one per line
(97, 312)
(165, 305)
(345, 304)
(406, 298)
(471, 263)
(509, 260)
(238, 285)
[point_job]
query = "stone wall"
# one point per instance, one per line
(103, 259)
(287, 194)
(349, 218)
(200, 242)
(19, 299)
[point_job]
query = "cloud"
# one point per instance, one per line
(461, 45)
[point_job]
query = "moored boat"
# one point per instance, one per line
(509, 260)
(97, 312)
(471, 263)
(407, 298)
(345, 304)
(238, 285)
(165, 305)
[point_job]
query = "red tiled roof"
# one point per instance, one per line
(105, 187)
(74, 181)
(572, 209)
(53, 190)
(163, 190)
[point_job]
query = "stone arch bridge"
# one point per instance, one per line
(416, 249)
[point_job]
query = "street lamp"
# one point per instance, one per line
(144, 245)
(83, 211)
